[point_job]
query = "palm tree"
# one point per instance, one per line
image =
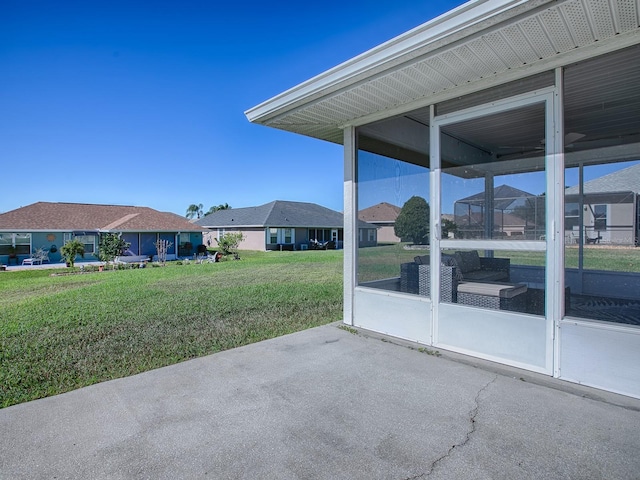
(219, 207)
(194, 210)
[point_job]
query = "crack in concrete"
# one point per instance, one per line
(472, 419)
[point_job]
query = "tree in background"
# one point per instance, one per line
(412, 224)
(110, 246)
(219, 207)
(449, 226)
(194, 210)
(162, 246)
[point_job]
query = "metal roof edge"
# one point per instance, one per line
(237, 225)
(463, 17)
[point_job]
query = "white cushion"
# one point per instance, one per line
(502, 290)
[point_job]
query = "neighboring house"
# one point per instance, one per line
(50, 225)
(516, 213)
(608, 209)
(487, 92)
(280, 225)
(383, 215)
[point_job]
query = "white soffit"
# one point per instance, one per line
(478, 42)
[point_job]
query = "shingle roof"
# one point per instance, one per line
(624, 180)
(381, 213)
(278, 213)
(47, 216)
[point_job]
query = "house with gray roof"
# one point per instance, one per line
(606, 211)
(281, 225)
(49, 225)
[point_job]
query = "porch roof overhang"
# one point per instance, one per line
(480, 44)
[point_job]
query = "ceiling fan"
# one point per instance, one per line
(569, 140)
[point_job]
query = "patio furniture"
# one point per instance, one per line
(38, 257)
(536, 299)
(474, 268)
(593, 240)
(496, 296)
(416, 279)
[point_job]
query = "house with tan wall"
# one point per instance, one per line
(383, 215)
(281, 225)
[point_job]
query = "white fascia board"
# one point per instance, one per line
(232, 226)
(273, 226)
(305, 226)
(463, 17)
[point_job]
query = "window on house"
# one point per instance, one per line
(571, 216)
(281, 235)
(600, 217)
(89, 242)
(21, 242)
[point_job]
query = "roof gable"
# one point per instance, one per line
(624, 180)
(380, 213)
(502, 192)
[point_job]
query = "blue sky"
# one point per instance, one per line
(142, 103)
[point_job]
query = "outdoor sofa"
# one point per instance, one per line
(468, 279)
(470, 267)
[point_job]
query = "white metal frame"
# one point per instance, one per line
(350, 224)
(554, 180)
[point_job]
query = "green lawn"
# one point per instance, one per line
(58, 333)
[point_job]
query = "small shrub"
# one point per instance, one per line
(229, 242)
(70, 250)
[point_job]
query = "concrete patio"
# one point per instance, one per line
(325, 403)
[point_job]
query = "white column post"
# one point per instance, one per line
(555, 220)
(350, 223)
(435, 175)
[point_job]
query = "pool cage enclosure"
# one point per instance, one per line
(515, 214)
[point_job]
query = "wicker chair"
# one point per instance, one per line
(416, 279)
